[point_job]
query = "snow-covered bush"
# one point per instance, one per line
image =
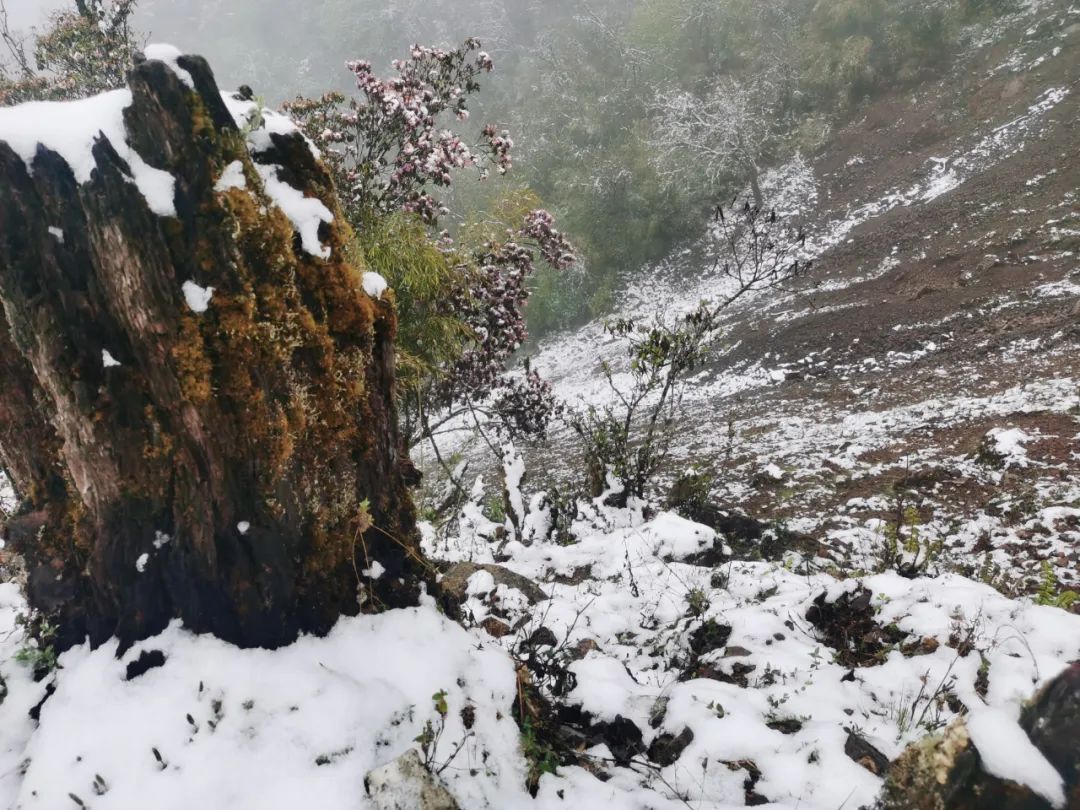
(628, 438)
(86, 50)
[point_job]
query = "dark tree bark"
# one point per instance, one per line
(235, 448)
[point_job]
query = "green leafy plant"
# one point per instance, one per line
(39, 651)
(697, 602)
(539, 755)
(1050, 592)
(432, 731)
(905, 549)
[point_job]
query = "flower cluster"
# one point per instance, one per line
(526, 405)
(553, 245)
(386, 147)
(492, 305)
(388, 151)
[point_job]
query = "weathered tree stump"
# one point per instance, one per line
(211, 466)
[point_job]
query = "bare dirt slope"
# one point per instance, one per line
(931, 362)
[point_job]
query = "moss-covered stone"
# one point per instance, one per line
(943, 771)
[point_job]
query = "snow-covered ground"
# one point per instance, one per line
(651, 630)
(770, 704)
(774, 701)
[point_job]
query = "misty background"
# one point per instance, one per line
(630, 118)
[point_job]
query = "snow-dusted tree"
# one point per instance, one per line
(86, 49)
(626, 441)
(704, 143)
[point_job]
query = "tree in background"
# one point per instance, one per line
(85, 50)
(706, 144)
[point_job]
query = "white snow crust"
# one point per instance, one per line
(70, 128)
(374, 285)
(305, 213)
(196, 297)
(231, 177)
(169, 54)
(1006, 752)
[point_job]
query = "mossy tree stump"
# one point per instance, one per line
(217, 472)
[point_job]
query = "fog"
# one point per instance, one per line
(631, 118)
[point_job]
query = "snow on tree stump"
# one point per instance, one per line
(197, 409)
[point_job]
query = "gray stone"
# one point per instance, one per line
(405, 784)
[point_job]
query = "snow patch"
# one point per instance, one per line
(1007, 753)
(160, 52)
(374, 285)
(259, 729)
(71, 128)
(197, 298)
(375, 571)
(108, 360)
(231, 177)
(260, 123)
(305, 213)
(1008, 443)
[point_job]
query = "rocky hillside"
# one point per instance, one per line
(929, 360)
(864, 603)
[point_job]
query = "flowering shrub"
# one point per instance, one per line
(385, 146)
(390, 152)
(492, 303)
(86, 50)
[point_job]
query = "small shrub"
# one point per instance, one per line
(39, 651)
(1050, 592)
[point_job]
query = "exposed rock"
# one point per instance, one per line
(847, 624)
(865, 754)
(1052, 721)
(667, 748)
(708, 637)
(785, 725)
(583, 648)
(945, 771)
(405, 784)
(496, 628)
(454, 584)
(147, 660)
(622, 737)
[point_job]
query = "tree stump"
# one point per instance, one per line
(232, 462)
